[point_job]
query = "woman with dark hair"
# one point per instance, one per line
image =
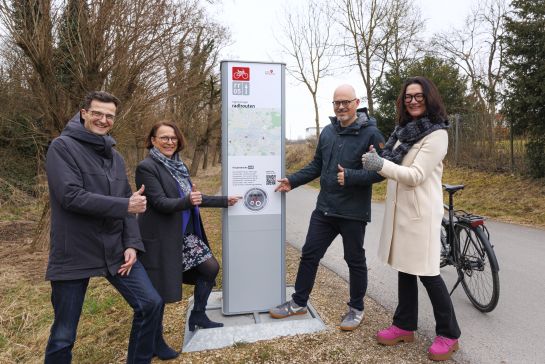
(177, 250)
(410, 239)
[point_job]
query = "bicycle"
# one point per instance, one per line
(465, 244)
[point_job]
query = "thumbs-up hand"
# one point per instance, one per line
(137, 202)
(340, 175)
(371, 160)
(195, 197)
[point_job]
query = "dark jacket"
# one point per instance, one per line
(343, 146)
(161, 228)
(89, 196)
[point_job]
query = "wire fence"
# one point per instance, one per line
(478, 142)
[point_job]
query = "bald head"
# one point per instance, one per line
(345, 104)
(345, 90)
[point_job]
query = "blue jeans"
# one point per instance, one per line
(67, 300)
(322, 231)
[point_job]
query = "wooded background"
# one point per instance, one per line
(161, 59)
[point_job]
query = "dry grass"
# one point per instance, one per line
(499, 196)
(26, 314)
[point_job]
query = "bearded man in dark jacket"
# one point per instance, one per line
(343, 206)
(94, 231)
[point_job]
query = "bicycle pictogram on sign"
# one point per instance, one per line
(241, 73)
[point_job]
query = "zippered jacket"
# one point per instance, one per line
(343, 146)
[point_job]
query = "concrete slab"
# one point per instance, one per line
(247, 328)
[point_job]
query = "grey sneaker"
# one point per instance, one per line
(287, 309)
(351, 320)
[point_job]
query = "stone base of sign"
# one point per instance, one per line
(247, 328)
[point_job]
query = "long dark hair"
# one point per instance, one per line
(435, 109)
(153, 133)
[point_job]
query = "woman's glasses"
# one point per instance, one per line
(166, 139)
(418, 97)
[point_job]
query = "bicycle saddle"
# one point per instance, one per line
(453, 188)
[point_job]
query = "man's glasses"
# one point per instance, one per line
(418, 97)
(343, 103)
(99, 115)
(166, 139)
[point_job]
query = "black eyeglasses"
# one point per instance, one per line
(99, 115)
(166, 139)
(418, 97)
(344, 103)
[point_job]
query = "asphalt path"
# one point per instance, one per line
(512, 333)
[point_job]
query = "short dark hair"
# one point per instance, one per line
(102, 96)
(435, 109)
(177, 131)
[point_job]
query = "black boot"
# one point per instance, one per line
(198, 314)
(160, 347)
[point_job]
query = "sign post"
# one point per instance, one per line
(252, 160)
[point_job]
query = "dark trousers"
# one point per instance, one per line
(406, 314)
(322, 231)
(67, 299)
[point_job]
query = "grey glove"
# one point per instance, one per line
(372, 161)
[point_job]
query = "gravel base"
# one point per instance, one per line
(329, 297)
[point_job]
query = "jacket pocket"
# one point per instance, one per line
(410, 199)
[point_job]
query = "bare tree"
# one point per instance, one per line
(381, 35)
(477, 49)
(307, 41)
(190, 64)
(71, 47)
(211, 126)
(405, 25)
(367, 37)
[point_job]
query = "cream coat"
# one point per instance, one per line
(410, 238)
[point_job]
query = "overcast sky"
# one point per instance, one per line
(254, 23)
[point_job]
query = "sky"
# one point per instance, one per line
(254, 32)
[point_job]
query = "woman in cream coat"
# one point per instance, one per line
(409, 243)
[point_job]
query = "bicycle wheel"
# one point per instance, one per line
(444, 260)
(479, 267)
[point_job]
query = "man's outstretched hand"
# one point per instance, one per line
(284, 185)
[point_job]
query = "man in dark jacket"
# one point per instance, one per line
(343, 206)
(94, 230)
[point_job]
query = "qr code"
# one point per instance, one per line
(271, 179)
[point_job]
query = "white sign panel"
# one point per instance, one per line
(252, 161)
(254, 136)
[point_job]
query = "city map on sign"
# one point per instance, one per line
(255, 133)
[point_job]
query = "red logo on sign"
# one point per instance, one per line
(241, 73)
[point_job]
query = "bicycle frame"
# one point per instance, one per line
(466, 246)
(455, 216)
